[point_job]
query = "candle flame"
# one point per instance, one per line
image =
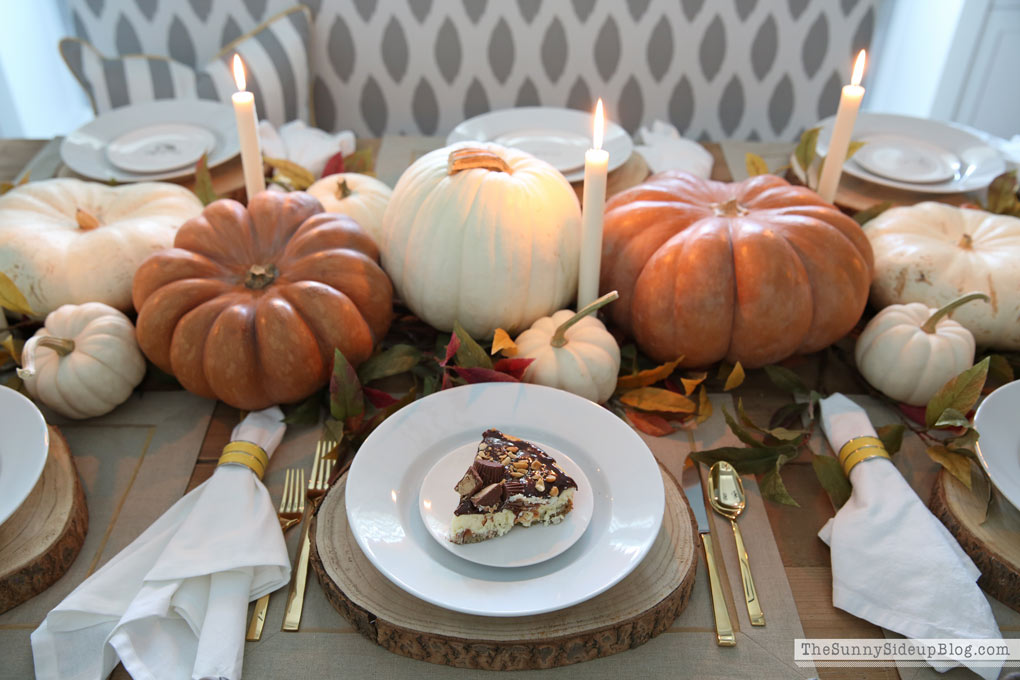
(239, 73)
(862, 56)
(600, 126)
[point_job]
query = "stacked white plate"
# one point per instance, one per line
(917, 154)
(416, 456)
(999, 446)
(23, 449)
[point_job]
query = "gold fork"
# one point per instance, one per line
(292, 507)
(322, 468)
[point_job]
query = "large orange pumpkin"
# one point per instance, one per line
(249, 304)
(753, 271)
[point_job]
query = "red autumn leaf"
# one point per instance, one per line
(378, 398)
(334, 165)
(915, 413)
(514, 367)
(447, 383)
(477, 374)
(451, 350)
(673, 387)
(649, 423)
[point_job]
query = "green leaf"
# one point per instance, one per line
(11, 298)
(1002, 192)
(952, 418)
(788, 414)
(429, 385)
(1000, 368)
(960, 393)
(747, 460)
(853, 148)
(833, 480)
(805, 152)
(891, 436)
(862, 217)
(203, 181)
(786, 380)
(780, 433)
(346, 399)
(772, 487)
(955, 464)
(966, 443)
(394, 361)
(741, 433)
(755, 165)
(360, 161)
(305, 413)
(335, 429)
(470, 354)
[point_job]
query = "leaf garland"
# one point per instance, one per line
(862, 217)
(502, 342)
(755, 165)
(805, 151)
(648, 376)
(203, 181)
(959, 394)
(11, 298)
(735, 379)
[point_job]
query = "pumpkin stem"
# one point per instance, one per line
(559, 338)
(342, 190)
(730, 208)
(260, 275)
(966, 242)
(933, 320)
(62, 346)
(86, 221)
(472, 157)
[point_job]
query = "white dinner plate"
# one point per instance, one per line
(972, 164)
(558, 136)
(383, 486)
(85, 149)
(159, 148)
(522, 546)
(23, 449)
(998, 422)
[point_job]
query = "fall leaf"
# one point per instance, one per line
(378, 398)
(805, 151)
(11, 298)
(294, 175)
(960, 393)
(480, 374)
(469, 353)
(346, 399)
(735, 378)
(1002, 198)
(862, 217)
(514, 366)
(956, 464)
(649, 423)
(451, 350)
(13, 346)
(891, 436)
(335, 164)
(832, 478)
(502, 342)
(1000, 368)
(657, 399)
(853, 148)
(772, 487)
(785, 379)
(755, 165)
(648, 376)
(203, 181)
(394, 361)
(305, 413)
(691, 382)
(361, 161)
(704, 406)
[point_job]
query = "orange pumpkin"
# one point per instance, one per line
(753, 271)
(249, 304)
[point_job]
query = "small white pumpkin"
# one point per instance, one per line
(572, 352)
(65, 241)
(360, 197)
(484, 235)
(84, 362)
(910, 351)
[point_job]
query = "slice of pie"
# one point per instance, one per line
(510, 482)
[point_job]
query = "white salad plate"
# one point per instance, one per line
(519, 548)
(159, 148)
(23, 452)
(86, 150)
(999, 446)
(384, 484)
(558, 136)
(917, 154)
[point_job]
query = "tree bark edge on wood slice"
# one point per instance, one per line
(537, 652)
(35, 571)
(958, 509)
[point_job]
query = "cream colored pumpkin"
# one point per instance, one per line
(360, 197)
(65, 241)
(933, 253)
(84, 362)
(483, 235)
(572, 352)
(910, 351)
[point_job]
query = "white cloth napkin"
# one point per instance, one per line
(893, 562)
(307, 146)
(173, 603)
(663, 148)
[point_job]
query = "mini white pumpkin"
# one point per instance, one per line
(933, 253)
(360, 197)
(84, 362)
(910, 351)
(65, 241)
(484, 235)
(572, 352)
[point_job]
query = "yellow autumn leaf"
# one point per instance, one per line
(297, 176)
(853, 148)
(755, 165)
(648, 376)
(955, 464)
(11, 298)
(12, 347)
(691, 382)
(704, 406)
(735, 378)
(502, 342)
(657, 399)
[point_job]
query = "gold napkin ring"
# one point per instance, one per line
(860, 449)
(250, 455)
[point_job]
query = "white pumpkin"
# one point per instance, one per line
(65, 241)
(910, 351)
(483, 235)
(360, 197)
(572, 352)
(933, 253)
(84, 362)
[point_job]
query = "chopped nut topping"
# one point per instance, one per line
(536, 464)
(555, 491)
(516, 474)
(512, 449)
(550, 477)
(540, 485)
(521, 464)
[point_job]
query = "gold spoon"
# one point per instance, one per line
(726, 496)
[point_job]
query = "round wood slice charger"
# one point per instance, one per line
(39, 542)
(993, 544)
(627, 615)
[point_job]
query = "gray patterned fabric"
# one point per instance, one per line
(746, 69)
